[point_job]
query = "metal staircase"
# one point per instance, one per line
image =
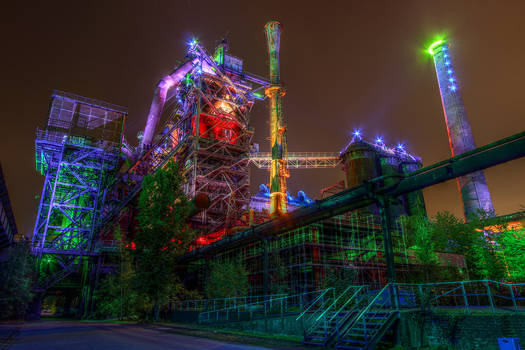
(324, 317)
(357, 319)
(370, 324)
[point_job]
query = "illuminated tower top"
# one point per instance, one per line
(473, 187)
(461, 140)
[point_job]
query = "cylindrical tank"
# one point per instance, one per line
(363, 161)
(360, 164)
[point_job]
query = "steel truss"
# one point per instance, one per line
(216, 160)
(298, 160)
(207, 132)
(78, 153)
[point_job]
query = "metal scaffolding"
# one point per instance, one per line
(77, 152)
(206, 130)
(300, 260)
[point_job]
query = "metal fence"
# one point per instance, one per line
(209, 305)
(269, 307)
(464, 295)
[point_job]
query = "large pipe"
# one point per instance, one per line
(275, 93)
(159, 99)
(473, 187)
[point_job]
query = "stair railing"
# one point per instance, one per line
(350, 313)
(321, 297)
(316, 307)
(361, 317)
(321, 315)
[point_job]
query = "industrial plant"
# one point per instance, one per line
(200, 117)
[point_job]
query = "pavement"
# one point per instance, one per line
(78, 335)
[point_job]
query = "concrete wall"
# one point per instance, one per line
(462, 331)
(286, 325)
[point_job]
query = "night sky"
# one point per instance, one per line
(345, 65)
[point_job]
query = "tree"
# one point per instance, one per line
(511, 243)
(16, 276)
(471, 240)
(226, 279)
(115, 296)
(163, 235)
(422, 237)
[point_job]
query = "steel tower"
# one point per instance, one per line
(473, 187)
(78, 152)
(275, 93)
(199, 116)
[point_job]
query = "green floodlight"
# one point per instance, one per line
(434, 44)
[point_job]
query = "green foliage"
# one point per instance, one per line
(422, 236)
(145, 278)
(485, 251)
(16, 276)
(471, 240)
(115, 296)
(226, 280)
(163, 235)
(448, 234)
(511, 243)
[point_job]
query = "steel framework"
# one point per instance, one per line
(78, 151)
(206, 129)
(298, 160)
(300, 260)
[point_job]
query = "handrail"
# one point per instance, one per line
(474, 288)
(250, 306)
(316, 320)
(334, 302)
(346, 303)
(454, 282)
(365, 310)
(313, 303)
(238, 300)
(265, 301)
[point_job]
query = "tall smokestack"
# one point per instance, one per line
(275, 93)
(473, 187)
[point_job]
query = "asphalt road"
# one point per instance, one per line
(58, 335)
